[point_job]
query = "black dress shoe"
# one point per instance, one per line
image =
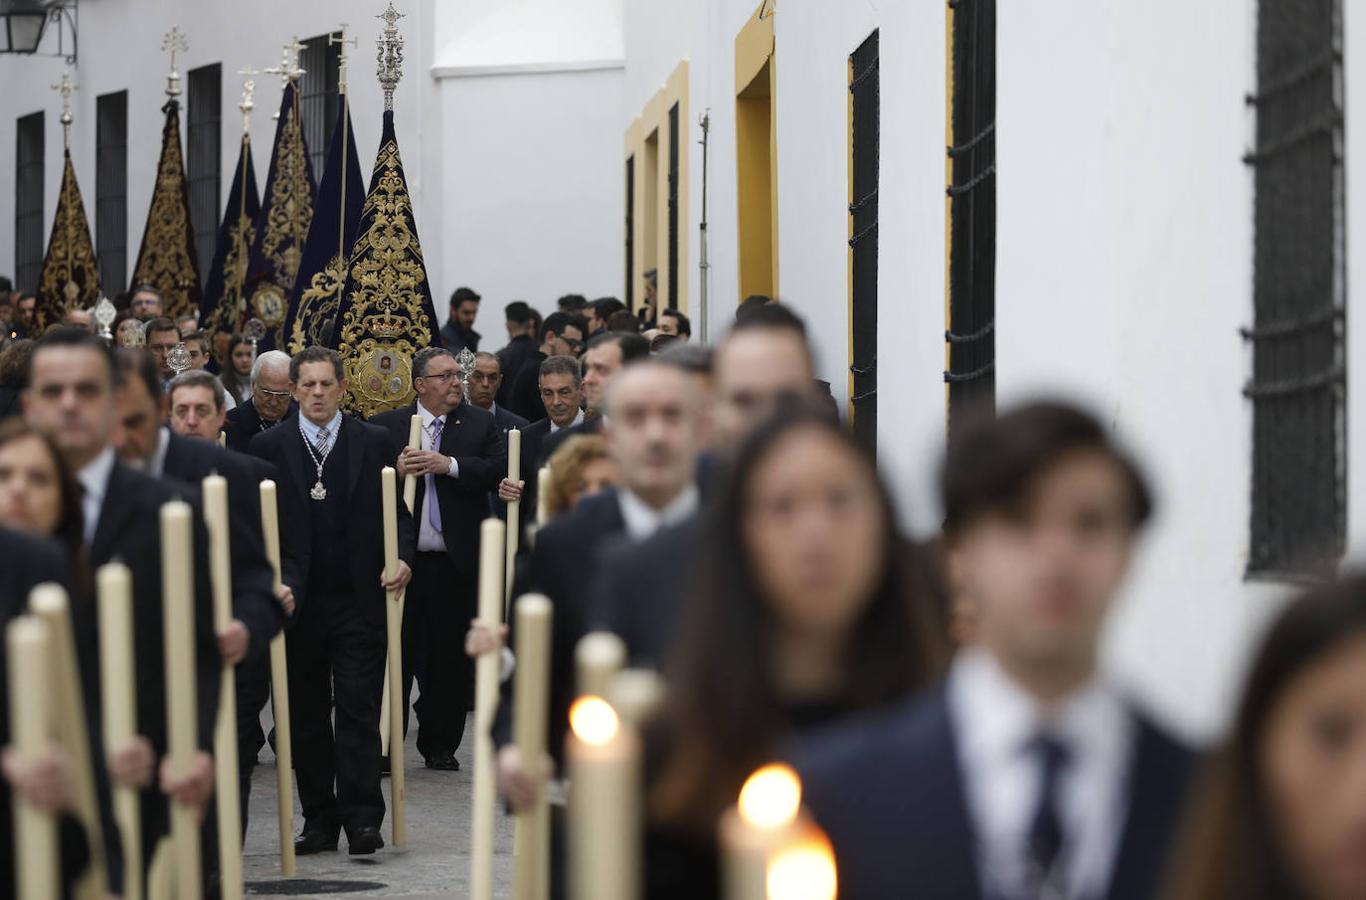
(444, 762)
(363, 840)
(315, 840)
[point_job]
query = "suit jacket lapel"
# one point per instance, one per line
(942, 790)
(116, 509)
(298, 460)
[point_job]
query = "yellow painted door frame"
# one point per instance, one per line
(756, 156)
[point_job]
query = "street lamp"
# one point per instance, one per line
(24, 21)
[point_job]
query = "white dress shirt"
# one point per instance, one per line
(428, 538)
(94, 481)
(157, 465)
(643, 520)
(578, 420)
(310, 431)
(995, 720)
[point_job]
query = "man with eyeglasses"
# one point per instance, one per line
(462, 456)
(271, 401)
(561, 335)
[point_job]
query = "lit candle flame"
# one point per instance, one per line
(804, 871)
(594, 721)
(771, 798)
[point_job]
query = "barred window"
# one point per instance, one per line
(28, 202)
(631, 231)
(671, 298)
(203, 157)
(971, 334)
(318, 88)
(1298, 384)
(111, 189)
(864, 136)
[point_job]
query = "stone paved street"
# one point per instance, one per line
(435, 864)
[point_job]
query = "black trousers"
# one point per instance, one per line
(334, 652)
(436, 614)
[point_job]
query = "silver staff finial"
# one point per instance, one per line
(65, 87)
(390, 55)
(248, 102)
(343, 60)
(174, 42)
(289, 68)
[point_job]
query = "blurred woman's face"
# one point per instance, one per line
(815, 532)
(598, 475)
(241, 359)
(1314, 765)
(30, 487)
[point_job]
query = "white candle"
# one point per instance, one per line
(805, 870)
(635, 694)
(215, 489)
(279, 691)
(35, 831)
(50, 604)
(394, 621)
(410, 480)
(763, 822)
(605, 843)
(531, 708)
(114, 584)
(514, 512)
(483, 805)
(178, 632)
(597, 658)
(543, 496)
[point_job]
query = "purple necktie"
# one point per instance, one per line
(433, 507)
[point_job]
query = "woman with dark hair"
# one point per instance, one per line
(38, 493)
(806, 609)
(235, 368)
(1282, 811)
(13, 375)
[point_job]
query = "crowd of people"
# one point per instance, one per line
(941, 699)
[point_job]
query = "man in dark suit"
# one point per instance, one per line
(485, 381)
(71, 396)
(561, 335)
(606, 355)
(461, 458)
(332, 548)
(458, 333)
(186, 453)
(655, 424)
(1027, 774)
(522, 326)
(270, 403)
(561, 398)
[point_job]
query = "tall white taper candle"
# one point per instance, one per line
(215, 492)
(30, 691)
(114, 586)
(410, 500)
(484, 803)
(394, 621)
(531, 708)
(279, 690)
(514, 513)
(178, 632)
(605, 837)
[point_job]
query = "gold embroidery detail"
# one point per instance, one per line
(289, 212)
(228, 316)
(386, 322)
(166, 260)
(318, 307)
(70, 276)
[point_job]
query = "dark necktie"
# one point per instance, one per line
(1046, 838)
(434, 507)
(321, 445)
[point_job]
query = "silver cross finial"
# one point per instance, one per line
(248, 101)
(174, 42)
(390, 55)
(343, 59)
(65, 87)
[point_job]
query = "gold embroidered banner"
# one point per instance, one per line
(386, 314)
(166, 259)
(282, 225)
(224, 306)
(70, 276)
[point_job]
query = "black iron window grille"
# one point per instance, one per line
(28, 202)
(318, 88)
(631, 231)
(111, 189)
(203, 157)
(1298, 384)
(971, 333)
(864, 147)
